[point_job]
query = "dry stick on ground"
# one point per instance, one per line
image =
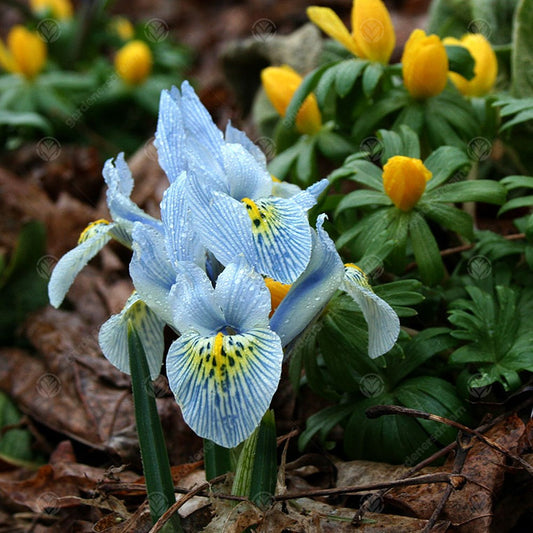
(380, 410)
(463, 447)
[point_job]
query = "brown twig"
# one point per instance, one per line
(380, 410)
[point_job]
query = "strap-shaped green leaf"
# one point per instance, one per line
(156, 466)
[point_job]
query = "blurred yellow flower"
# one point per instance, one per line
(372, 34)
(424, 65)
(60, 9)
(122, 27)
(133, 62)
(485, 69)
(404, 180)
(25, 53)
(280, 84)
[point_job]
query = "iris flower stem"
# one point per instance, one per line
(156, 466)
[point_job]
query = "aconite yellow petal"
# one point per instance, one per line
(328, 21)
(27, 50)
(424, 65)
(280, 84)
(404, 181)
(133, 62)
(485, 68)
(372, 30)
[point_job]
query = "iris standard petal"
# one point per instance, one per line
(246, 177)
(243, 296)
(151, 270)
(383, 322)
(235, 136)
(117, 175)
(113, 336)
(170, 135)
(193, 302)
(312, 291)
(224, 383)
(182, 242)
(92, 240)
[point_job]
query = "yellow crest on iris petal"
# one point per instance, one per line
(372, 35)
(280, 84)
(25, 53)
(485, 68)
(424, 65)
(404, 181)
(133, 62)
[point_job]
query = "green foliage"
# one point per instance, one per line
(23, 280)
(15, 443)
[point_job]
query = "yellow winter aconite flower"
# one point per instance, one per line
(280, 84)
(404, 180)
(25, 52)
(424, 65)
(485, 69)
(123, 28)
(60, 9)
(133, 62)
(372, 34)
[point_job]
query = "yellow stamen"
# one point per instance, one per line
(278, 291)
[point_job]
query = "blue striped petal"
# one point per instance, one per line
(235, 136)
(113, 336)
(193, 301)
(312, 291)
(151, 270)
(224, 383)
(91, 241)
(182, 242)
(243, 296)
(246, 177)
(383, 322)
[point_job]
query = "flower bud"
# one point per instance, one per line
(25, 53)
(122, 27)
(485, 68)
(425, 65)
(404, 181)
(280, 84)
(133, 62)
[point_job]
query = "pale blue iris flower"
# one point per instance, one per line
(226, 365)
(230, 191)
